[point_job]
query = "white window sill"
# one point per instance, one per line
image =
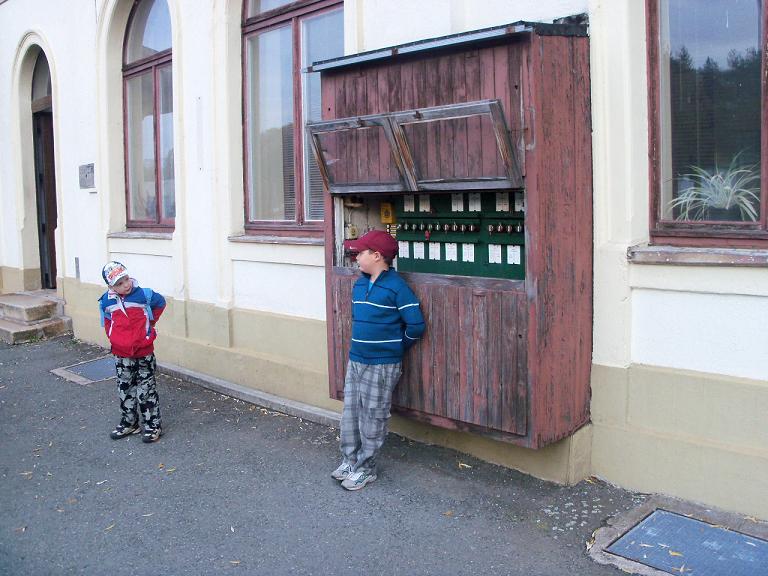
(266, 239)
(686, 256)
(141, 235)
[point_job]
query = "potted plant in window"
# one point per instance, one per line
(732, 194)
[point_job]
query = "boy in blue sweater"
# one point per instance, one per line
(386, 321)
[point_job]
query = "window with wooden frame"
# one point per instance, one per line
(148, 117)
(708, 133)
(283, 185)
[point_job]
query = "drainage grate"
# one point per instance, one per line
(677, 544)
(89, 371)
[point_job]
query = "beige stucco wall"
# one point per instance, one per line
(15, 279)
(694, 435)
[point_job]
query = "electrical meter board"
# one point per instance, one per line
(462, 233)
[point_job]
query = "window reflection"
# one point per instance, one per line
(270, 129)
(150, 31)
(256, 7)
(141, 147)
(322, 38)
(710, 98)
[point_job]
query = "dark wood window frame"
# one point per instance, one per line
(290, 15)
(132, 70)
(665, 232)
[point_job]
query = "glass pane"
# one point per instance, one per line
(41, 78)
(150, 30)
(140, 132)
(359, 156)
(710, 103)
(256, 7)
(270, 126)
(165, 108)
(322, 37)
(455, 149)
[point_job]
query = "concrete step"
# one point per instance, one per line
(17, 332)
(27, 308)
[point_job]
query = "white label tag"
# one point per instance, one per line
(474, 202)
(519, 202)
(467, 252)
(513, 254)
(409, 204)
(494, 253)
(502, 201)
(403, 250)
(434, 250)
(423, 202)
(418, 250)
(451, 252)
(457, 202)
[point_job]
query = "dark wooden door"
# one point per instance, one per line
(469, 371)
(45, 181)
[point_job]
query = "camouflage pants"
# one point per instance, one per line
(138, 390)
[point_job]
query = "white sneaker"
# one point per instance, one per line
(358, 479)
(342, 471)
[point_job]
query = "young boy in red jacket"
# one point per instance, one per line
(128, 314)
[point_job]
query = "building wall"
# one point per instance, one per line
(680, 374)
(679, 383)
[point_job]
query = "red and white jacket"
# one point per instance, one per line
(129, 321)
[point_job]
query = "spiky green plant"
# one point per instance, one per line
(720, 189)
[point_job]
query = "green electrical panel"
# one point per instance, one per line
(463, 233)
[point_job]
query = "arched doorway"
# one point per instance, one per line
(45, 170)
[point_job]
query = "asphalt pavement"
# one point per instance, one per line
(233, 488)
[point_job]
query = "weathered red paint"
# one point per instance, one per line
(503, 358)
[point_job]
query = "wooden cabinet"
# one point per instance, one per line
(505, 358)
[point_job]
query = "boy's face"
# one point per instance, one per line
(123, 286)
(369, 260)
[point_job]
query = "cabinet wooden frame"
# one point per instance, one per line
(507, 359)
(403, 155)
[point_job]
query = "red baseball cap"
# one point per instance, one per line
(376, 240)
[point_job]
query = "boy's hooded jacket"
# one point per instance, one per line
(129, 321)
(386, 319)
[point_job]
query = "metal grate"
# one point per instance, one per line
(677, 544)
(89, 371)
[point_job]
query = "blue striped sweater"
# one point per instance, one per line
(386, 319)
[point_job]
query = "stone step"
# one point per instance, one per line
(27, 308)
(18, 332)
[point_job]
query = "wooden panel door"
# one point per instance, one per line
(469, 371)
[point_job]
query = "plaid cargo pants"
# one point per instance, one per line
(138, 390)
(367, 400)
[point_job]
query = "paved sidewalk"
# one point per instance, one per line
(235, 489)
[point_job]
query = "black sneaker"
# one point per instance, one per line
(151, 435)
(122, 430)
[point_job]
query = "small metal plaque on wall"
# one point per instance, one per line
(86, 176)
